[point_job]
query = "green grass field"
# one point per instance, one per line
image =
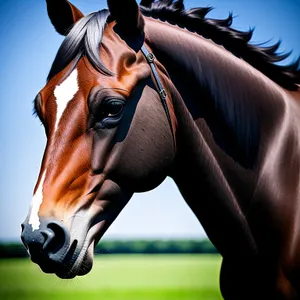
(116, 277)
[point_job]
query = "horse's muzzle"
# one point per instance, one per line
(48, 245)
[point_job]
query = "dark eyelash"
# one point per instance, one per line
(35, 110)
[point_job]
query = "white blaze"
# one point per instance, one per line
(64, 93)
(35, 205)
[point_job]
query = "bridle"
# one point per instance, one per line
(161, 91)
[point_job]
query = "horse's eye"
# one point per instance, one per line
(112, 108)
(108, 114)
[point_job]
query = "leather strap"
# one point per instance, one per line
(161, 91)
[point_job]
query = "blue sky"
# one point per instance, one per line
(28, 46)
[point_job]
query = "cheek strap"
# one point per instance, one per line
(161, 91)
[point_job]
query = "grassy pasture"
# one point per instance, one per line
(118, 277)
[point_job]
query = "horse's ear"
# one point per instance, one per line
(63, 15)
(127, 15)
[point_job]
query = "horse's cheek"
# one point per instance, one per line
(146, 162)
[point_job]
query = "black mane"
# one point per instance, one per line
(237, 42)
(86, 35)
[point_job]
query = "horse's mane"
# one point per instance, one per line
(86, 35)
(237, 42)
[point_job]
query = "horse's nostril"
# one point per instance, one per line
(48, 243)
(55, 237)
(49, 237)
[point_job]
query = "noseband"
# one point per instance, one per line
(161, 91)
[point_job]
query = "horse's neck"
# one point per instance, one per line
(216, 87)
(224, 109)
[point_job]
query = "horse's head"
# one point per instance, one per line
(108, 134)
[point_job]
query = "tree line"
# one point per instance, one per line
(203, 246)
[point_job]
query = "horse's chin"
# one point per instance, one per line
(81, 266)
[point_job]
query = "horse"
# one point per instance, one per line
(137, 93)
